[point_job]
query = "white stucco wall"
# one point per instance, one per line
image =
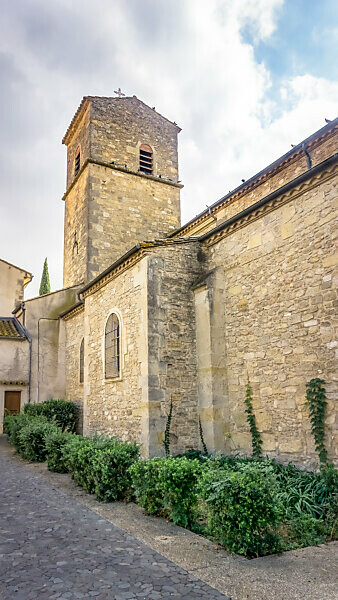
(12, 283)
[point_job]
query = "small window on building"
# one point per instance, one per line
(82, 361)
(112, 347)
(146, 159)
(77, 162)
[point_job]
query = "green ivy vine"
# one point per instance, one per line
(204, 446)
(316, 402)
(166, 442)
(255, 435)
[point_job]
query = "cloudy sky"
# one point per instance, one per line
(243, 78)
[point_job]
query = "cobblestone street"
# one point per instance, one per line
(53, 547)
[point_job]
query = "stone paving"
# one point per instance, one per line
(51, 546)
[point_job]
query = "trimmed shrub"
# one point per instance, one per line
(55, 443)
(32, 438)
(179, 483)
(12, 426)
(145, 479)
(76, 453)
(243, 510)
(168, 487)
(110, 463)
(100, 465)
(63, 413)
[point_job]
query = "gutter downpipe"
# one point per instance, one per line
(308, 157)
(41, 319)
(30, 350)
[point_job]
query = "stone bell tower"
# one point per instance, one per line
(122, 183)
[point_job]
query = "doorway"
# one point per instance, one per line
(12, 403)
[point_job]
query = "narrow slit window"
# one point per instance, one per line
(77, 162)
(146, 159)
(82, 361)
(112, 347)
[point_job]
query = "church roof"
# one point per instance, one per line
(11, 329)
(85, 103)
(298, 150)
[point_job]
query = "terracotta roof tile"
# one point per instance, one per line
(8, 328)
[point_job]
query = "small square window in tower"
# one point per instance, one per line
(77, 163)
(146, 159)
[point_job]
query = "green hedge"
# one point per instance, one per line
(55, 444)
(145, 478)
(168, 486)
(110, 464)
(243, 509)
(101, 465)
(32, 439)
(252, 507)
(12, 426)
(64, 414)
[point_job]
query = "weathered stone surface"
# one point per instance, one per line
(112, 206)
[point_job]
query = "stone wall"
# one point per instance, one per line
(108, 209)
(172, 271)
(74, 326)
(277, 319)
(75, 257)
(81, 140)
(121, 125)
(125, 209)
(115, 406)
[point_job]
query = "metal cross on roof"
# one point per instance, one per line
(119, 93)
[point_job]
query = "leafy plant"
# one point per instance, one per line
(305, 530)
(166, 442)
(76, 454)
(243, 509)
(179, 484)
(110, 463)
(145, 479)
(63, 413)
(56, 441)
(205, 449)
(12, 426)
(32, 438)
(255, 435)
(316, 402)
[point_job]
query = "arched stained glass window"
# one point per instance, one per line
(82, 361)
(112, 347)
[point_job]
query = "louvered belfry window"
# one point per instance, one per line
(77, 163)
(146, 159)
(112, 347)
(82, 361)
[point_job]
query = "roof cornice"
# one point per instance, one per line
(309, 143)
(291, 190)
(72, 311)
(127, 261)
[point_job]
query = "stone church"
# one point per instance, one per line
(154, 313)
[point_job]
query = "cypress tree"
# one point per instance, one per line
(45, 283)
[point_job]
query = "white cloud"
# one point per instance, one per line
(189, 59)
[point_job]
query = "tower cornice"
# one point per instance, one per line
(123, 170)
